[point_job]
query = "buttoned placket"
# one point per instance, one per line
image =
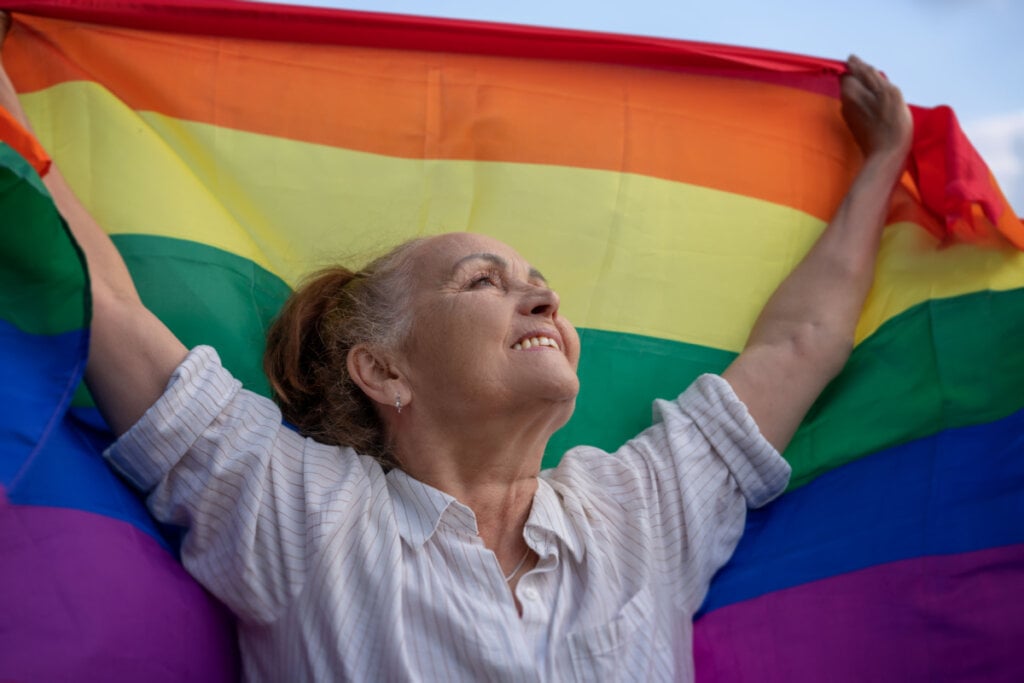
(534, 592)
(525, 636)
(519, 633)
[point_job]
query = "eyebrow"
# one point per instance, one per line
(496, 260)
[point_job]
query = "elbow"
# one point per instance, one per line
(822, 346)
(108, 296)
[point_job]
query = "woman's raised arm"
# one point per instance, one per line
(805, 332)
(131, 352)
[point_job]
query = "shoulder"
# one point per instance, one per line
(706, 428)
(204, 410)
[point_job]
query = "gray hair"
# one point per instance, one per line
(308, 344)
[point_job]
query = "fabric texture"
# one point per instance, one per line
(340, 571)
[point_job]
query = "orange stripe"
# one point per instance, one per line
(23, 142)
(727, 134)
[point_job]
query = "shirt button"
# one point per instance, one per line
(531, 594)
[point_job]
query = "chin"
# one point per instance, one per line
(565, 389)
(567, 398)
(561, 413)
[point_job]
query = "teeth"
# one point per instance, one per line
(535, 341)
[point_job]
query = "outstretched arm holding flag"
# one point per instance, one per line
(805, 333)
(132, 353)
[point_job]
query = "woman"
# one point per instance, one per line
(415, 537)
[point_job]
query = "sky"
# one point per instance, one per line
(968, 54)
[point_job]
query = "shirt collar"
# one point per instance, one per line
(549, 514)
(420, 509)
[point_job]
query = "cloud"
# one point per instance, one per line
(1000, 141)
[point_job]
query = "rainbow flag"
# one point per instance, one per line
(665, 188)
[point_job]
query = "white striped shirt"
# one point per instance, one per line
(338, 571)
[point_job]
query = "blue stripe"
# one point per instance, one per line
(957, 491)
(69, 472)
(49, 455)
(38, 373)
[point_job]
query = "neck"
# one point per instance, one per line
(488, 463)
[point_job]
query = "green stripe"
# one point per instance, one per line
(620, 374)
(941, 364)
(944, 363)
(42, 274)
(206, 296)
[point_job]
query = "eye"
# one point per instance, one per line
(483, 280)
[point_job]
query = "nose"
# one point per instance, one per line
(540, 300)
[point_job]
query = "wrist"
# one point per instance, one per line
(890, 162)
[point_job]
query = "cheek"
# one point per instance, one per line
(572, 342)
(447, 337)
(425, 346)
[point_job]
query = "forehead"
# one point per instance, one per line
(440, 254)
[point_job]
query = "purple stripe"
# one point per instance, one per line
(937, 618)
(86, 598)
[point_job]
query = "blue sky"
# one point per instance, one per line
(968, 54)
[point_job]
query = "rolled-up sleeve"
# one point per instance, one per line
(216, 459)
(711, 407)
(683, 485)
(704, 462)
(196, 395)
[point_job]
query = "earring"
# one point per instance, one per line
(398, 403)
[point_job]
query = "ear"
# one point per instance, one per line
(377, 376)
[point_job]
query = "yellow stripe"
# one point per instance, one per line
(913, 268)
(628, 253)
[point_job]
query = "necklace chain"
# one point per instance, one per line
(518, 566)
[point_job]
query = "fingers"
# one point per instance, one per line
(855, 92)
(874, 110)
(864, 81)
(867, 75)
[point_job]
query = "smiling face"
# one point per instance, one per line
(487, 336)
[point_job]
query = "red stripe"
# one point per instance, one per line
(368, 29)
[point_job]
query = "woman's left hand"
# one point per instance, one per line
(874, 111)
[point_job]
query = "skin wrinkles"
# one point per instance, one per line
(470, 307)
(535, 275)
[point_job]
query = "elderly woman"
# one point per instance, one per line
(406, 531)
